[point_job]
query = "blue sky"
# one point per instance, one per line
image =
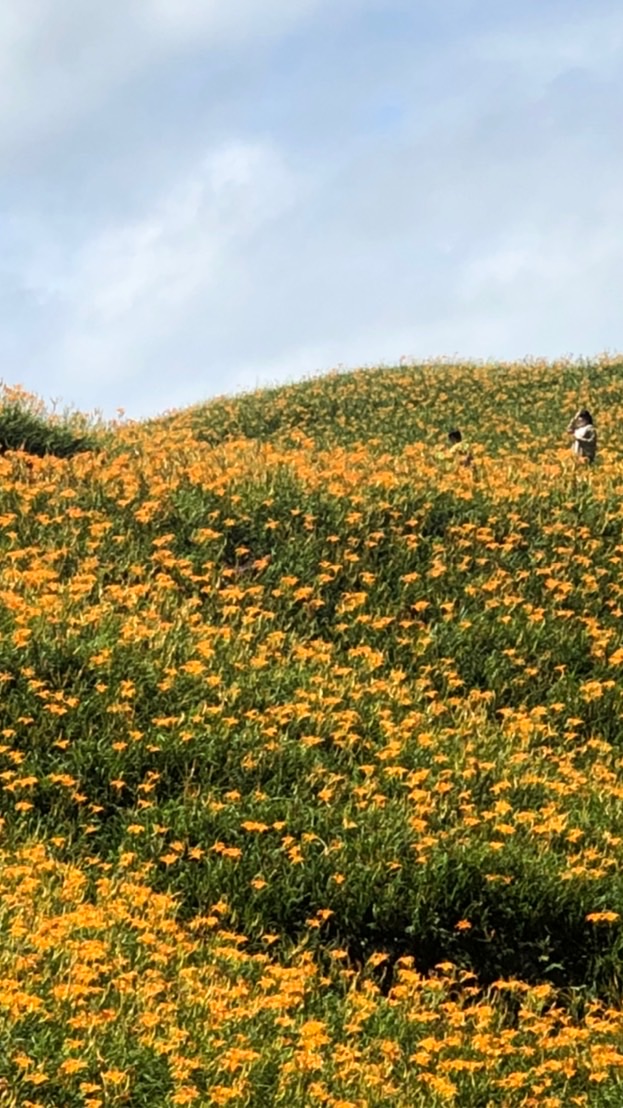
(199, 197)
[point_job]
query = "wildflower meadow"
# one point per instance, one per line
(311, 747)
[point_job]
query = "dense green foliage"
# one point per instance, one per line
(291, 655)
(515, 408)
(26, 425)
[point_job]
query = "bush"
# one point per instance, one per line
(26, 425)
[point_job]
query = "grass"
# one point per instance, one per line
(26, 426)
(311, 768)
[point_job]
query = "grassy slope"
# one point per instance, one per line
(357, 703)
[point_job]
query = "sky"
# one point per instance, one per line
(199, 197)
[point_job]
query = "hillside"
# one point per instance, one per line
(312, 752)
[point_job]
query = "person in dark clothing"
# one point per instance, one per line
(584, 436)
(459, 449)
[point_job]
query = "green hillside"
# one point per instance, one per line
(312, 736)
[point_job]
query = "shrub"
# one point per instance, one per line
(26, 425)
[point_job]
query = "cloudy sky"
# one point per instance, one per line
(200, 196)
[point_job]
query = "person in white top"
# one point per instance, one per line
(584, 435)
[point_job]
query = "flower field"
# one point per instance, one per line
(311, 750)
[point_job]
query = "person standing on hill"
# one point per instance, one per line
(459, 449)
(584, 436)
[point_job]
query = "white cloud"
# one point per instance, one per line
(236, 20)
(55, 61)
(60, 59)
(547, 44)
(282, 235)
(133, 284)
